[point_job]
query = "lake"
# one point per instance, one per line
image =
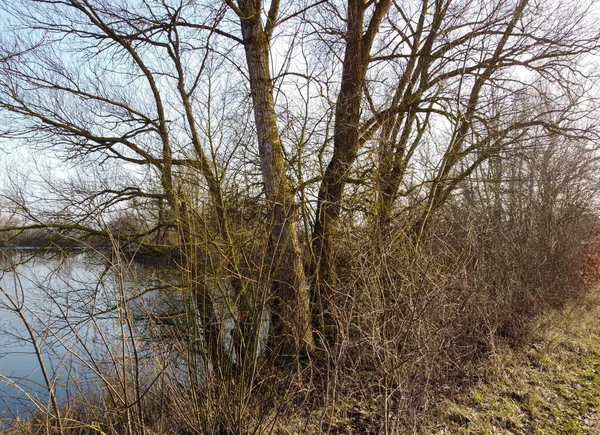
(89, 315)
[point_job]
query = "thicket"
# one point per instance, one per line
(360, 200)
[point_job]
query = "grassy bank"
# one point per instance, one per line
(551, 387)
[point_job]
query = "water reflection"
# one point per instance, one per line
(89, 314)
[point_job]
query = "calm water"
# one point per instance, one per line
(76, 307)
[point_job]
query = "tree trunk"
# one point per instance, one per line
(346, 142)
(291, 333)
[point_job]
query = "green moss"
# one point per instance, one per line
(478, 397)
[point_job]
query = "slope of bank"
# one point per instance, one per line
(551, 387)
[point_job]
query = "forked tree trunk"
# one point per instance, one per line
(346, 143)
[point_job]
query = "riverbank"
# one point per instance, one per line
(546, 383)
(551, 387)
(151, 255)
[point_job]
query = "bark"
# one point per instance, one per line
(346, 143)
(291, 333)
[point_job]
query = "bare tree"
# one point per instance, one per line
(400, 104)
(425, 65)
(290, 316)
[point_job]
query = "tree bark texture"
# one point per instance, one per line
(291, 332)
(346, 143)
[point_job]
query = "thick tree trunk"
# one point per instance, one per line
(345, 147)
(291, 333)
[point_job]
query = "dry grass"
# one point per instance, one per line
(553, 387)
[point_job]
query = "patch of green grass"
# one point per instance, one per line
(478, 396)
(548, 389)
